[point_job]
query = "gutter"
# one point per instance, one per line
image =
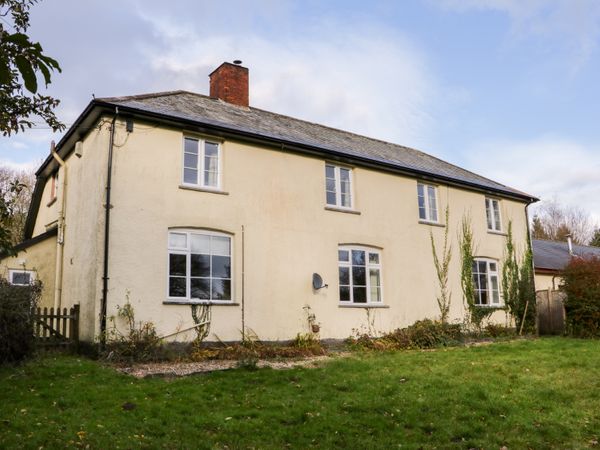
(107, 208)
(60, 240)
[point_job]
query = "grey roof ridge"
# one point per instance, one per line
(400, 146)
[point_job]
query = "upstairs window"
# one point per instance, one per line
(492, 210)
(54, 187)
(359, 275)
(21, 277)
(338, 186)
(199, 266)
(427, 199)
(485, 278)
(201, 163)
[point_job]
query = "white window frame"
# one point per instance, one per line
(187, 251)
(493, 215)
(489, 275)
(11, 272)
(200, 167)
(338, 186)
(428, 217)
(368, 266)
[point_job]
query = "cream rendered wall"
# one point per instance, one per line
(279, 199)
(41, 258)
(48, 211)
(544, 282)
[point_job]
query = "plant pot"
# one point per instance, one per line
(315, 328)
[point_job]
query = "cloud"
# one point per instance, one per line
(571, 24)
(350, 73)
(547, 167)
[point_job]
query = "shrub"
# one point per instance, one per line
(581, 283)
(17, 304)
(422, 334)
(495, 331)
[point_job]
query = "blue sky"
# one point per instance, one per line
(506, 88)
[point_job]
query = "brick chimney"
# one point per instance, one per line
(229, 82)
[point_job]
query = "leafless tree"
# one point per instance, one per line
(20, 203)
(555, 221)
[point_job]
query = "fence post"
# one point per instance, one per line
(75, 324)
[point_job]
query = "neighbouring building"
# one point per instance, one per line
(176, 198)
(551, 257)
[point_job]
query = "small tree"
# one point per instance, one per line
(581, 283)
(20, 62)
(8, 200)
(510, 273)
(442, 268)
(595, 242)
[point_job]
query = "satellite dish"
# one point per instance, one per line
(317, 282)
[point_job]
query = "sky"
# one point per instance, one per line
(505, 88)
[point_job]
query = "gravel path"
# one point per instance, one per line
(189, 368)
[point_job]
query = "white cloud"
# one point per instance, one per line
(547, 167)
(573, 24)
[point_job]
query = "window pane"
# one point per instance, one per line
(330, 172)
(432, 203)
(358, 257)
(344, 293)
(177, 240)
(494, 289)
(359, 276)
(484, 298)
(360, 294)
(345, 187)
(331, 198)
(177, 264)
(220, 245)
(200, 243)
(482, 267)
(344, 275)
(476, 281)
(200, 265)
(221, 267)
(421, 201)
(200, 288)
(375, 294)
(330, 185)
(190, 161)
(21, 278)
(191, 146)
(374, 258)
(492, 267)
(343, 255)
(211, 179)
(211, 149)
(211, 164)
(483, 282)
(488, 213)
(374, 277)
(176, 287)
(221, 289)
(190, 176)
(497, 215)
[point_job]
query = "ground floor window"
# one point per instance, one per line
(485, 278)
(359, 275)
(21, 277)
(199, 265)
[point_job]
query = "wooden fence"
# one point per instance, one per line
(550, 312)
(56, 328)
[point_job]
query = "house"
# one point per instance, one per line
(551, 257)
(172, 199)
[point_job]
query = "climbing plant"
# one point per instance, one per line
(442, 267)
(201, 314)
(510, 273)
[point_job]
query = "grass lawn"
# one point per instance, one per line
(526, 394)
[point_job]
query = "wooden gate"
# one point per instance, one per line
(550, 312)
(56, 328)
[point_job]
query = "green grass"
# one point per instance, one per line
(525, 394)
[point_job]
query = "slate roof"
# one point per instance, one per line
(210, 111)
(554, 255)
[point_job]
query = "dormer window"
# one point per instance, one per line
(201, 163)
(338, 186)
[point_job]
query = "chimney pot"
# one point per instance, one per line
(229, 82)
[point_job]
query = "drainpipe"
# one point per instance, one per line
(107, 208)
(60, 239)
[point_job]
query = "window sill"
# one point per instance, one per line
(490, 306)
(499, 233)
(432, 223)
(198, 302)
(343, 210)
(51, 202)
(202, 189)
(362, 305)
